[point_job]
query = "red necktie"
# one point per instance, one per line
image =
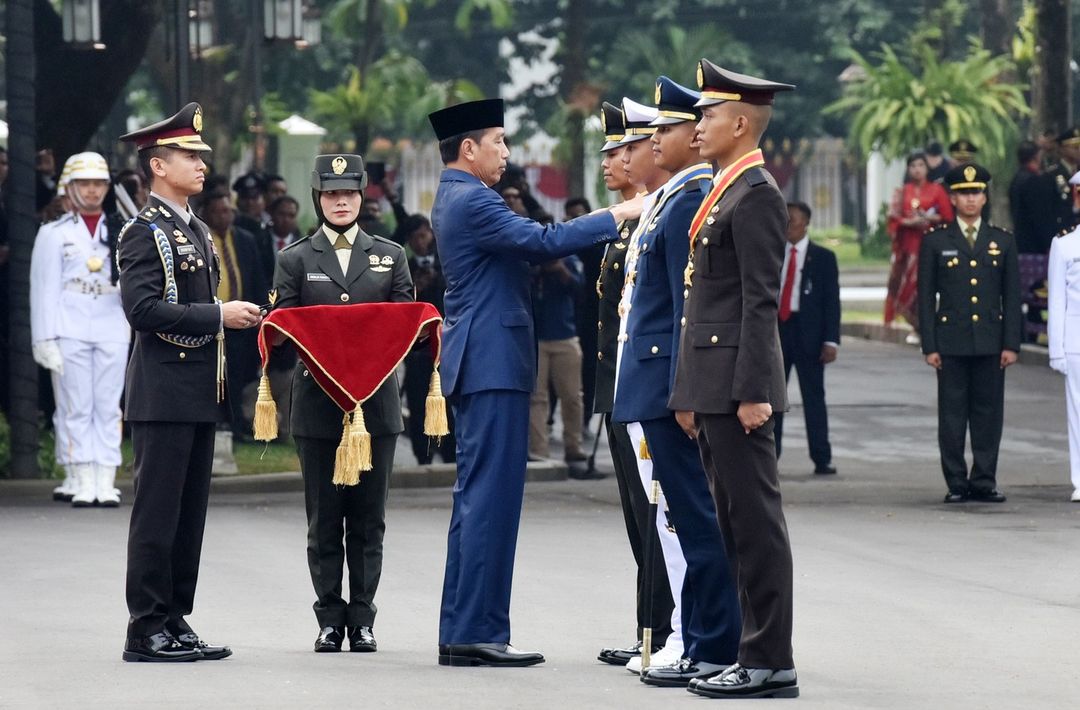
(789, 286)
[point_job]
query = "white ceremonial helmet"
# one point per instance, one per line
(85, 166)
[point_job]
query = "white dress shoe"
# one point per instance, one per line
(667, 656)
(85, 485)
(1076, 496)
(106, 493)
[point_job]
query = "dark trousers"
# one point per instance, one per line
(492, 450)
(418, 369)
(710, 605)
(635, 506)
(812, 386)
(345, 523)
(971, 392)
(168, 513)
(746, 489)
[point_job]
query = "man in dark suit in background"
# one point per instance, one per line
(169, 273)
(242, 277)
(809, 314)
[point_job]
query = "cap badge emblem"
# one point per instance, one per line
(657, 99)
(969, 173)
(339, 165)
(700, 76)
(196, 120)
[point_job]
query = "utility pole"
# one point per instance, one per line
(22, 229)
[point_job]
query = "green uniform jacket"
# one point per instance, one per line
(969, 297)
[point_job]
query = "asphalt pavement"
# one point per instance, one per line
(900, 600)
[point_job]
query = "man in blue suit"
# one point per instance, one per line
(489, 369)
(653, 304)
(809, 315)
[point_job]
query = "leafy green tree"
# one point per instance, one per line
(900, 105)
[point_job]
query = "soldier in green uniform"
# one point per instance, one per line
(970, 322)
(341, 264)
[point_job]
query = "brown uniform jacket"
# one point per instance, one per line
(729, 350)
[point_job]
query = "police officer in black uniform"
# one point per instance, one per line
(175, 389)
(970, 322)
(341, 264)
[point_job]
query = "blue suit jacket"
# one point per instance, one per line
(649, 356)
(485, 249)
(819, 305)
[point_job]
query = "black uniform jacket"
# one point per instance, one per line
(610, 288)
(166, 381)
(308, 274)
(729, 350)
(969, 298)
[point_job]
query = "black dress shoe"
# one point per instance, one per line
(991, 496)
(362, 640)
(209, 653)
(622, 656)
(579, 473)
(954, 497)
(161, 647)
(680, 674)
(486, 654)
(825, 469)
(330, 638)
(739, 682)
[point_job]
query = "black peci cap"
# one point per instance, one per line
(463, 118)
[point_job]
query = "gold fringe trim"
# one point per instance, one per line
(360, 443)
(436, 423)
(344, 473)
(266, 424)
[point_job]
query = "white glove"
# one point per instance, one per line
(47, 354)
(1058, 364)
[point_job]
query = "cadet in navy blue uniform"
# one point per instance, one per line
(488, 371)
(659, 253)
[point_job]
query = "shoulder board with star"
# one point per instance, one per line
(755, 176)
(1065, 232)
(938, 228)
(999, 228)
(61, 219)
(297, 243)
(387, 242)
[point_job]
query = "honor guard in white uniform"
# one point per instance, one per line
(79, 333)
(1063, 329)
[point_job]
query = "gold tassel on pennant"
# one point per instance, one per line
(343, 472)
(643, 450)
(359, 444)
(266, 425)
(436, 422)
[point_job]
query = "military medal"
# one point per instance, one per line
(95, 263)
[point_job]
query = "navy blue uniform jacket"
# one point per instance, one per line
(486, 248)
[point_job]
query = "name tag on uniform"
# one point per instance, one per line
(317, 277)
(950, 252)
(186, 249)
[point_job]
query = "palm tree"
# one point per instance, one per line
(899, 105)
